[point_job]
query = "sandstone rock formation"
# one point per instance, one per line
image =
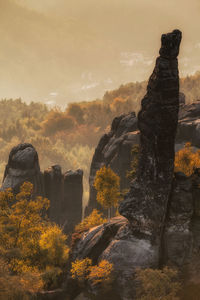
(114, 149)
(53, 187)
(189, 124)
(141, 239)
(117, 242)
(145, 205)
(63, 190)
(23, 165)
(128, 247)
(71, 205)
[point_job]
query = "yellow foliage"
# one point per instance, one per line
(157, 284)
(21, 220)
(80, 269)
(94, 219)
(53, 245)
(29, 243)
(107, 184)
(102, 273)
(186, 160)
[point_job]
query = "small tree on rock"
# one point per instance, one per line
(107, 184)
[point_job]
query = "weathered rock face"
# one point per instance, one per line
(71, 206)
(148, 236)
(127, 247)
(23, 165)
(146, 204)
(189, 124)
(114, 149)
(117, 242)
(64, 191)
(177, 236)
(53, 187)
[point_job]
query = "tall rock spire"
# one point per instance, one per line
(145, 204)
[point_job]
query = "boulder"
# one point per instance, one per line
(117, 242)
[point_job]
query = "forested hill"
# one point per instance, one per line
(68, 137)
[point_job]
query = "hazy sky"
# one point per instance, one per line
(58, 51)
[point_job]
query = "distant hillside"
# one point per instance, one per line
(68, 137)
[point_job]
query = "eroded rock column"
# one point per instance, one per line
(146, 204)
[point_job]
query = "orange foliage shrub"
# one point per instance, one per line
(94, 219)
(186, 160)
(80, 269)
(102, 273)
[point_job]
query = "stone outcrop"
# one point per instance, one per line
(152, 218)
(71, 206)
(23, 165)
(127, 247)
(53, 187)
(114, 149)
(189, 124)
(64, 191)
(146, 204)
(117, 242)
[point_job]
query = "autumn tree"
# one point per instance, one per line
(94, 219)
(80, 270)
(100, 274)
(107, 184)
(57, 121)
(29, 242)
(186, 160)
